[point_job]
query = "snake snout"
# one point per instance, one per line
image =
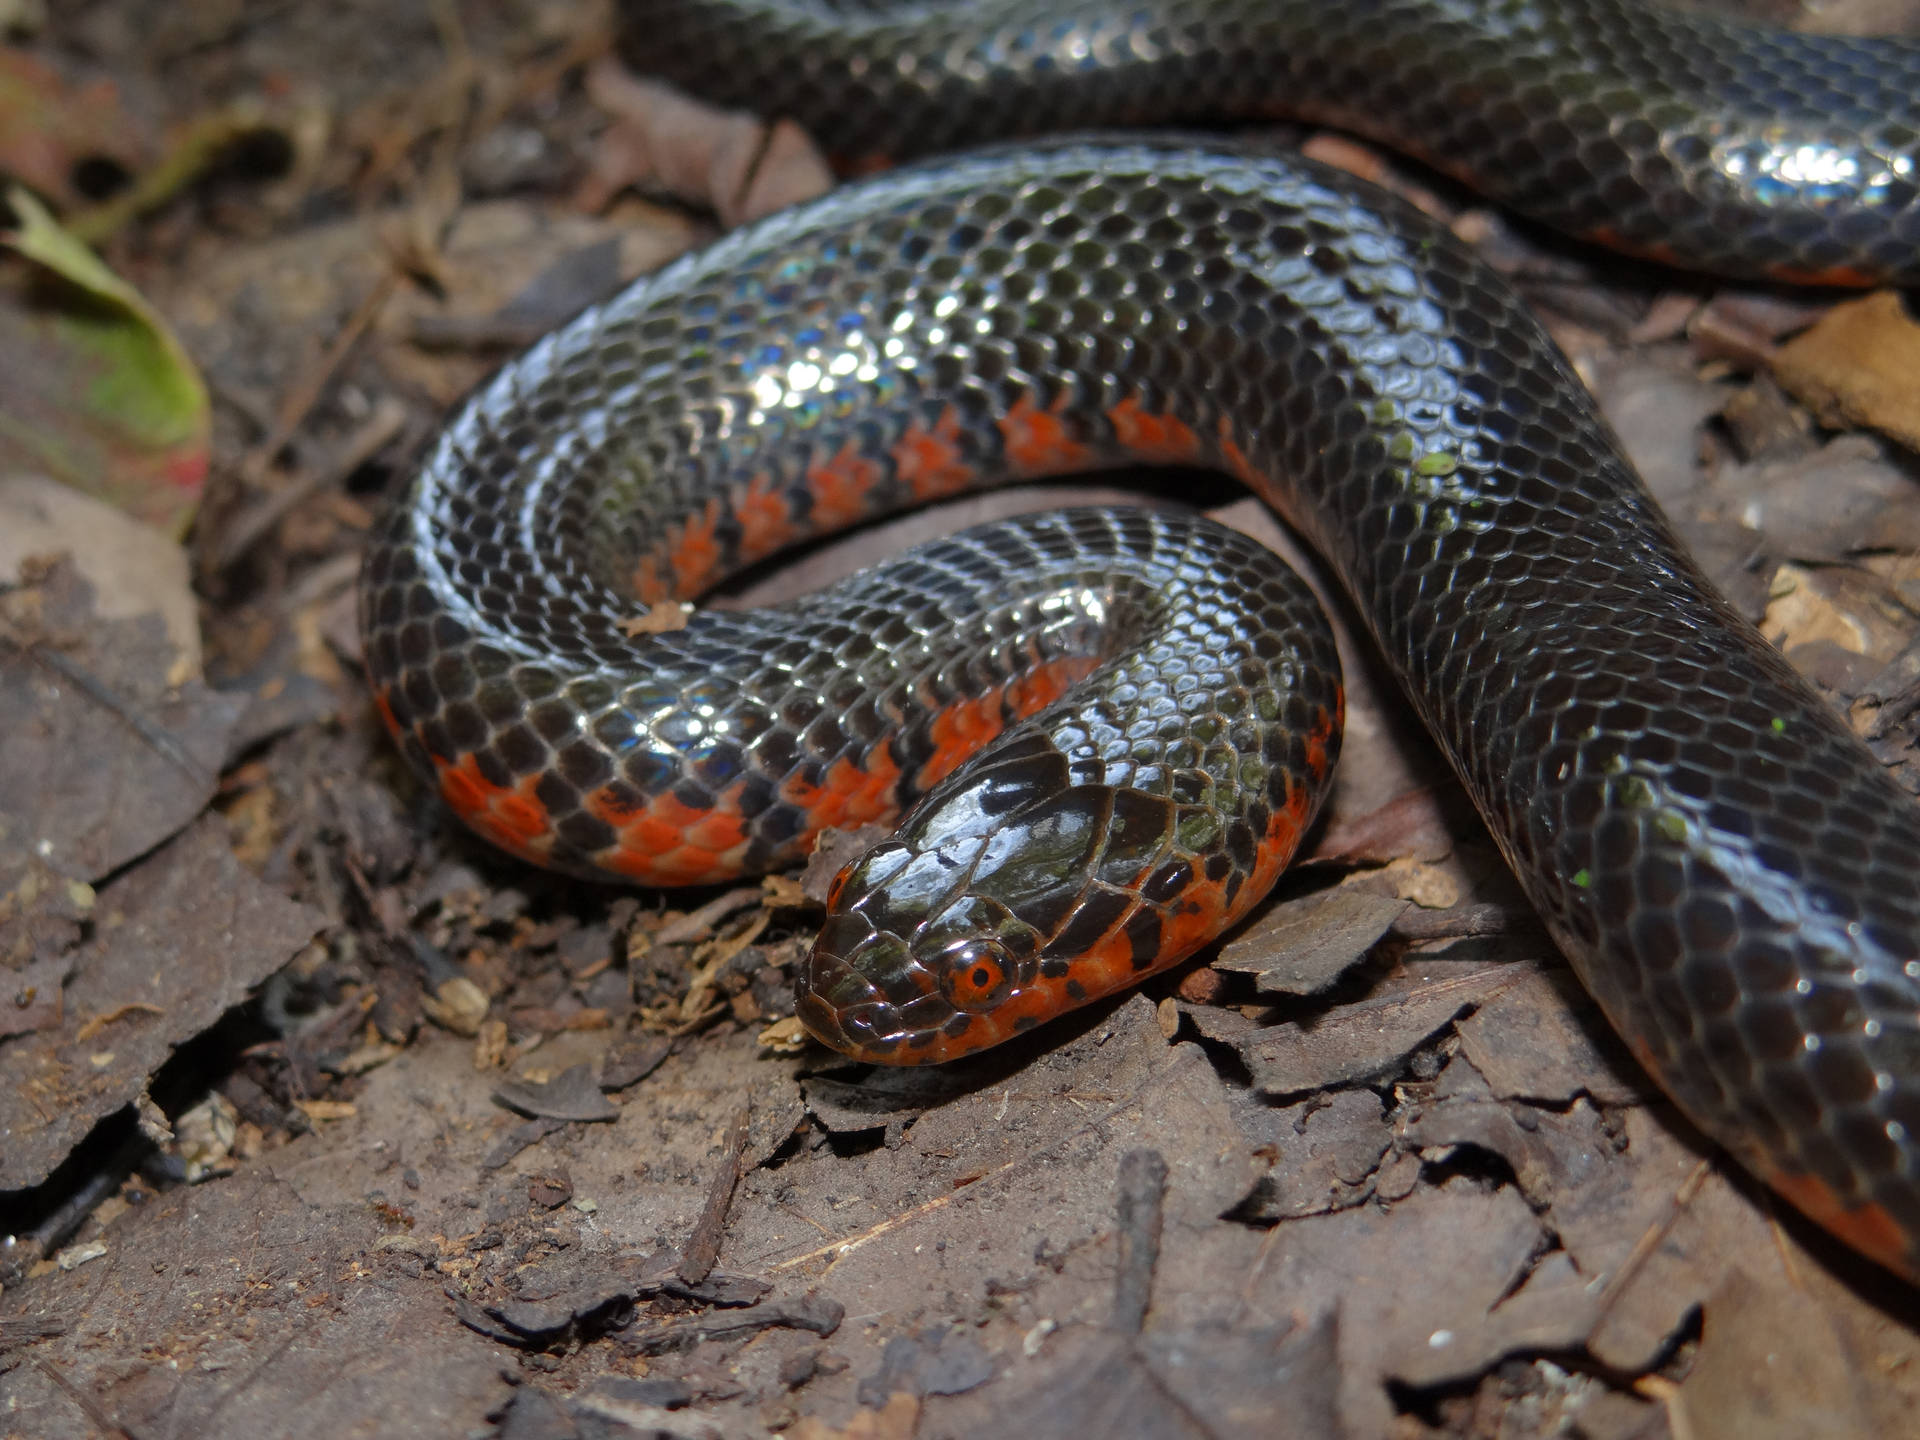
(854, 987)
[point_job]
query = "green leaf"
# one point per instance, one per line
(94, 389)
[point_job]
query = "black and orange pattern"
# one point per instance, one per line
(1729, 869)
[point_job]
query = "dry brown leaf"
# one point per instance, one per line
(1304, 945)
(1859, 365)
(1412, 825)
(183, 936)
(725, 159)
(1771, 1368)
(1357, 1041)
(1531, 1042)
(1807, 606)
(896, 1420)
(1743, 326)
(1254, 1382)
(1323, 1154)
(134, 569)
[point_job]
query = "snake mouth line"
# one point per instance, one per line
(846, 1011)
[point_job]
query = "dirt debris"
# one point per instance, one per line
(321, 1118)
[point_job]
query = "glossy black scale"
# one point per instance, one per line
(1731, 872)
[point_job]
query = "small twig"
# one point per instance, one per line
(295, 406)
(694, 1026)
(814, 1313)
(1668, 1396)
(847, 1244)
(306, 393)
(534, 79)
(388, 419)
(981, 1183)
(54, 1231)
(1254, 1271)
(90, 1407)
(325, 580)
(1143, 1186)
(1650, 1241)
(161, 742)
(27, 1331)
(703, 1245)
(1458, 923)
(699, 924)
(289, 416)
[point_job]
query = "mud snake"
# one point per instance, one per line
(1732, 874)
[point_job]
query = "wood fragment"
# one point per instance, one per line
(703, 1245)
(1141, 1206)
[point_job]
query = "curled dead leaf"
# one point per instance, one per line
(99, 391)
(725, 159)
(784, 1037)
(1807, 606)
(458, 1005)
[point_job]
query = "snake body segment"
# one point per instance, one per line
(1688, 137)
(1730, 871)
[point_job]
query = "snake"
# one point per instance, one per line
(1099, 735)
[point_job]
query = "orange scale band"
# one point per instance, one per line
(766, 518)
(1155, 438)
(1868, 1228)
(1040, 442)
(841, 487)
(511, 816)
(1199, 914)
(849, 795)
(930, 463)
(964, 728)
(694, 553)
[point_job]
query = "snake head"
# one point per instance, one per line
(911, 967)
(965, 929)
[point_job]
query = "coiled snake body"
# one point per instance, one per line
(1732, 874)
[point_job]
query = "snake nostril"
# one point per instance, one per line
(839, 987)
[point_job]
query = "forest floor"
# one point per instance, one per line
(319, 1118)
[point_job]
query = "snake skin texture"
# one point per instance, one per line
(1112, 834)
(1690, 138)
(1729, 870)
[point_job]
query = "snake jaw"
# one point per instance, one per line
(871, 994)
(839, 1003)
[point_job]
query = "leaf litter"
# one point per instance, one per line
(480, 1150)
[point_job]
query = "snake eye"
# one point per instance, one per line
(975, 976)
